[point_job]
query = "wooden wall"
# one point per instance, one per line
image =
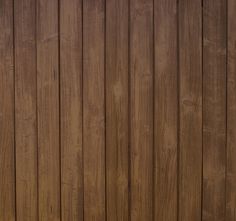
(117, 110)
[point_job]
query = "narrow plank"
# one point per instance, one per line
(231, 115)
(214, 109)
(7, 165)
(71, 109)
(117, 109)
(141, 112)
(166, 110)
(25, 110)
(48, 110)
(190, 110)
(94, 109)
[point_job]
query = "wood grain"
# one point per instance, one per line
(7, 152)
(71, 109)
(214, 110)
(117, 110)
(48, 110)
(231, 115)
(190, 110)
(94, 109)
(141, 112)
(166, 110)
(25, 110)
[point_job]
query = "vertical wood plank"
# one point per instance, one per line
(25, 110)
(7, 165)
(214, 109)
(190, 109)
(231, 115)
(71, 109)
(117, 109)
(94, 110)
(166, 110)
(141, 104)
(48, 110)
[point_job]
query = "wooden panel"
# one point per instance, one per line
(117, 109)
(7, 166)
(25, 110)
(141, 104)
(190, 110)
(94, 110)
(71, 109)
(231, 115)
(166, 110)
(214, 109)
(48, 110)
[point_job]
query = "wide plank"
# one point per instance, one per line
(117, 79)
(48, 110)
(141, 110)
(214, 109)
(166, 110)
(7, 149)
(71, 110)
(190, 110)
(25, 110)
(94, 109)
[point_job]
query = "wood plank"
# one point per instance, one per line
(231, 115)
(25, 110)
(71, 109)
(7, 165)
(166, 110)
(94, 109)
(190, 110)
(214, 109)
(117, 109)
(48, 110)
(141, 113)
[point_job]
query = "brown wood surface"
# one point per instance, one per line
(190, 110)
(231, 115)
(7, 119)
(117, 110)
(166, 110)
(117, 135)
(94, 109)
(141, 109)
(214, 110)
(71, 110)
(48, 110)
(26, 111)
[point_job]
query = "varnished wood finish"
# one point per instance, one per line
(117, 110)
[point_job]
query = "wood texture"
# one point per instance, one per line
(166, 110)
(141, 104)
(71, 110)
(26, 111)
(190, 110)
(48, 110)
(7, 151)
(117, 80)
(231, 115)
(214, 110)
(94, 109)
(117, 110)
